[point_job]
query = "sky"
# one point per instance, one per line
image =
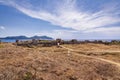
(66, 19)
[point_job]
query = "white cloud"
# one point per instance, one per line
(65, 34)
(66, 14)
(2, 27)
(106, 32)
(101, 33)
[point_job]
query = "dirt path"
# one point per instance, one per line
(105, 60)
(106, 51)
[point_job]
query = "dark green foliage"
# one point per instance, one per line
(28, 76)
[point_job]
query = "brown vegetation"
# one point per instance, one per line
(52, 63)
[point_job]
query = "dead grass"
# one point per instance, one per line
(93, 47)
(52, 63)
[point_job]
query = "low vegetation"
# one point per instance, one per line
(1, 46)
(49, 43)
(55, 63)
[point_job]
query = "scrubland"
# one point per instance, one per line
(55, 63)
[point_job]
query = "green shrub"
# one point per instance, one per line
(28, 76)
(1, 46)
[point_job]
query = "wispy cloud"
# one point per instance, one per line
(101, 33)
(67, 14)
(65, 34)
(2, 27)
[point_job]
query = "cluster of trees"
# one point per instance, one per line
(115, 42)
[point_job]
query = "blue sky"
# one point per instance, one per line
(66, 19)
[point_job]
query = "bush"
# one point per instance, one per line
(28, 76)
(1, 46)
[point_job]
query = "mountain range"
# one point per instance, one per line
(24, 37)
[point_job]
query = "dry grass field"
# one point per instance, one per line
(53, 63)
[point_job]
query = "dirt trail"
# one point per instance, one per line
(106, 51)
(105, 60)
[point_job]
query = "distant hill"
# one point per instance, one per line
(24, 37)
(15, 37)
(41, 37)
